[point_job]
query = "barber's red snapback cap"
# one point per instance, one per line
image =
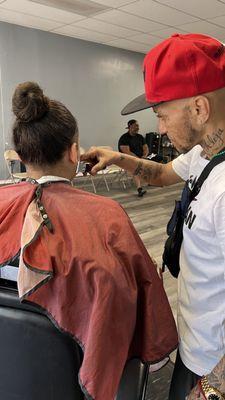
(179, 67)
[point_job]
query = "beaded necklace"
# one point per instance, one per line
(219, 154)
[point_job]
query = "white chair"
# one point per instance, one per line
(116, 174)
(81, 177)
(11, 157)
(113, 172)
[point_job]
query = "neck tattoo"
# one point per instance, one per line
(213, 143)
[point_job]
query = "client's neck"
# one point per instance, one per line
(36, 172)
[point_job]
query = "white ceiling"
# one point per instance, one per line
(129, 24)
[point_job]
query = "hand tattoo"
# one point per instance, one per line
(195, 394)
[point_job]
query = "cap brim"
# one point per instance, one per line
(138, 104)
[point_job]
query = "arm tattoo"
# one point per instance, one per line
(139, 169)
(152, 172)
(148, 172)
(217, 377)
(195, 394)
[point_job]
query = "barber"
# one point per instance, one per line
(185, 86)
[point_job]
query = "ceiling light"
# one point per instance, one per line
(85, 8)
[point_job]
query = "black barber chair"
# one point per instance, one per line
(38, 362)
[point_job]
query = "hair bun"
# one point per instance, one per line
(29, 103)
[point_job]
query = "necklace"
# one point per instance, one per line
(219, 154)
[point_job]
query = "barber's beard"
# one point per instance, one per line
(191, 135)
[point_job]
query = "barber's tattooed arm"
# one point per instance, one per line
(151, 172)
(145, 169)
(217, 377)
(196, 394)
(214, 142)
(139, 169)
(148, 171)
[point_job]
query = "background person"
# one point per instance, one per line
(80, 257)
(134, 144)
(185, 85)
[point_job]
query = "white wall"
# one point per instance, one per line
(94, 81)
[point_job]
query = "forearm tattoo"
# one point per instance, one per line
(147, 172)
(139, 169)
(195, 394)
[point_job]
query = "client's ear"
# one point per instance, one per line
(73, 153)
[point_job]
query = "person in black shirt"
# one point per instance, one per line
(134, 144)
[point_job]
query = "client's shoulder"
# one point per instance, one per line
(96, 199)
(81, 198)
(16, 190)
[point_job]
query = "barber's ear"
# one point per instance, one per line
(73, 153)
(201, 109)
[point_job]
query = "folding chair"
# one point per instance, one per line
(11, 157)
(94, 180)
(115, 174)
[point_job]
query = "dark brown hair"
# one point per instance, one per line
(43, 128)
(131, 122)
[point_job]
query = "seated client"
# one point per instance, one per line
(80, 257)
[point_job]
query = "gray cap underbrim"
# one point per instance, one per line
(138, 104)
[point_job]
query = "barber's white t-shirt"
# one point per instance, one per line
(201, 282)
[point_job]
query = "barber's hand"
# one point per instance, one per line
(195, 394)
(100, 158)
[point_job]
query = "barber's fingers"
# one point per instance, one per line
(100, 165)
(90, 155)
(96, 157)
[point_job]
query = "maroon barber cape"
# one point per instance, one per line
(83, 262)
